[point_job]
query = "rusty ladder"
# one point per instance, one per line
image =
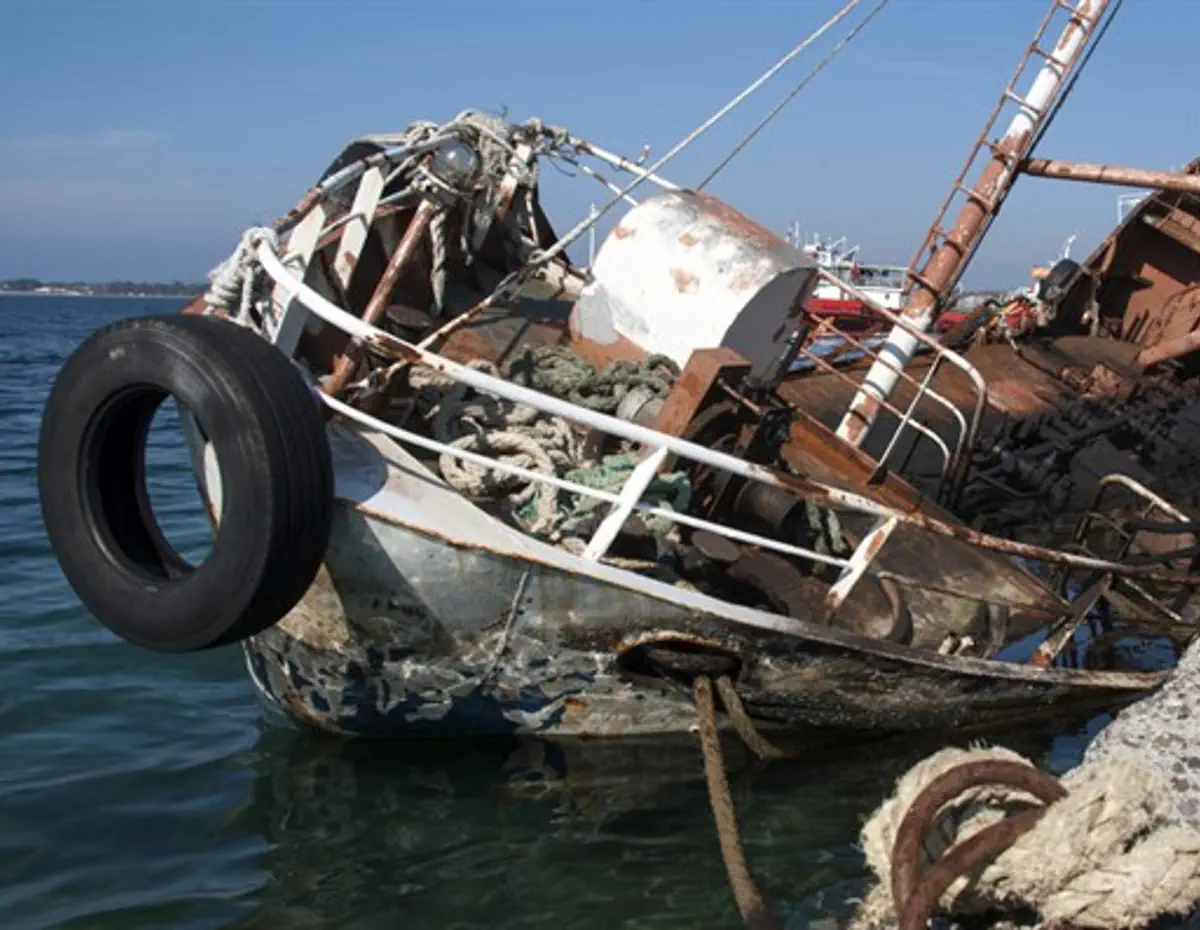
(936, 234)
(950, 251)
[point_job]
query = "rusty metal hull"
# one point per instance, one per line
(474, 629)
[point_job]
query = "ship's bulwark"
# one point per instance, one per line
(406, 633)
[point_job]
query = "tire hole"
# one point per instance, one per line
(172, 488)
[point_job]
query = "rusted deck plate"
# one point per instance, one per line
(933, 560)
(1016, 387)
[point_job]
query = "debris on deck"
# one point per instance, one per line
(515, 494)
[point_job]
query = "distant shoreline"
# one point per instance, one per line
(97, 296)
(30, 286)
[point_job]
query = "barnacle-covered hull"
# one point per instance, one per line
(431, 620)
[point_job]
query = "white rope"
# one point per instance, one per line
(1163, 730)
(1109, 855)
(231, 283)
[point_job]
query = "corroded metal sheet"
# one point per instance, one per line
(474, 629)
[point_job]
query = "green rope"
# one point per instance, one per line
(562, 372)
(671, 491)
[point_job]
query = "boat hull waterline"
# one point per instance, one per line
(474, 630)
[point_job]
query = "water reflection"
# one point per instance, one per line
(513, 835)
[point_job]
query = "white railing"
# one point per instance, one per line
(954, 463)
(625, 502)
(303, 299)
(1152, 503)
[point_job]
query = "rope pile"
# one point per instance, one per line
(559, 371)
(522, 435)
(514, 433)
(985, 832)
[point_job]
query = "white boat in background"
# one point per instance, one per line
(884, 284)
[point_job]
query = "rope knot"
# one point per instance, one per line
(231, 283)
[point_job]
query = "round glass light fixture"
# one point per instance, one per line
(455, 163)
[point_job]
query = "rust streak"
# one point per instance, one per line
(390, 345)
(685, 281)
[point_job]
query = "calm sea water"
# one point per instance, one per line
(140, 790)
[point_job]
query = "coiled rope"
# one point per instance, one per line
(524, 436)
(231, 284)
(985, 832)
(515, 433)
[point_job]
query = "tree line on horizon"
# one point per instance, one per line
(116, 288)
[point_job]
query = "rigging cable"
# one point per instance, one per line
(582, 226)
(820, 66)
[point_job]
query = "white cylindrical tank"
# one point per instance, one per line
(684, 271)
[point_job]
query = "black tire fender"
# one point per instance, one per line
(276, 471)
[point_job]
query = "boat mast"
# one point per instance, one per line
(950, 251)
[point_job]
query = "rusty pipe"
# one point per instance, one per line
(1111, 174)
(915, 898)
(982, 203)
(965, 858)
(346, 362)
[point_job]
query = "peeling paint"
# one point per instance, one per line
(685, 281)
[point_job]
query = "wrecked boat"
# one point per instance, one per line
(462, 484)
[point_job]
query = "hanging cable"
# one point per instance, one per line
(833, 53)
(582, 226)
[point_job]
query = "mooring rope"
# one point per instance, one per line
(984, 831)
(736, 711)
(749, 901)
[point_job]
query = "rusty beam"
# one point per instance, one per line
(417, 227)
(696, 384)
(1171, 225)
(1171, 349)
(1111, 174)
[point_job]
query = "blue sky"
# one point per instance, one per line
(138, 137)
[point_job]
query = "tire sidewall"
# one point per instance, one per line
(160, 613)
